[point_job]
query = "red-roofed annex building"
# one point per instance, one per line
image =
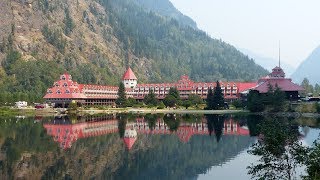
(277, 78)
(66, 90)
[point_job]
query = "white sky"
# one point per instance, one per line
(258, 25)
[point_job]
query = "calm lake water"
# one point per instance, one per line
(125, 146)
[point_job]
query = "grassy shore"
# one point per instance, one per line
(9, 111)
(154, 111)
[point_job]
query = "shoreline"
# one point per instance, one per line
(156, 111)
(51, 111)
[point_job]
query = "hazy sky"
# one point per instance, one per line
(258, 25)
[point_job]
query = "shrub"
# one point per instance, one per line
(237, 104)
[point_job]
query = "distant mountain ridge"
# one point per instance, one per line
(309, 68)
(267, 62)
(166, 8)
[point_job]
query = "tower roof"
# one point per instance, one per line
(129, 75)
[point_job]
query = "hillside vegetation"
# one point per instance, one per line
(96, 40)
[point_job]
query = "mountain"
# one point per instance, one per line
(309, 69)
(267, 62)
(97, 40)
(166, 8)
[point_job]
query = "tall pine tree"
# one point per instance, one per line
(122, 99)
(218, 99)
(210, 100)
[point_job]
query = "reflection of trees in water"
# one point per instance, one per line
(122, 122)
(169, 158)
(253, 121)
(216, 124)
(172, 120)
(18, 137)
(152, 120)
(278, 147)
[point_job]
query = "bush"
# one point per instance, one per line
(73, 106)
(161, 106)
(237, 104)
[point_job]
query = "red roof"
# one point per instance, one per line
(245, 86)
(129, 75)
(283, 83)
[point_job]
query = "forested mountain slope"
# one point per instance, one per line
(95, 40)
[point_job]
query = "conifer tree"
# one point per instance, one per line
(122, 99)
(218, 99)
(172, 98)
(150, 99)
(210, 99)
(255, 103)
(278, 99)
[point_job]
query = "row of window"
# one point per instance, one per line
(167, 88)
(59, 92)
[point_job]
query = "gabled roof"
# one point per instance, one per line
(129, 75)
(284, 84)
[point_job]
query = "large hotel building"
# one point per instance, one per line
(66, 90)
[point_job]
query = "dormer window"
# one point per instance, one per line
(63, 77)
(58, 92)
(57, 85)
(67, 92)
(49, 91)
(65, 85)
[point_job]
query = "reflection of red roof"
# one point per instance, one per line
(184, 133)
(283, 83)
(129, 75)
(129, 142)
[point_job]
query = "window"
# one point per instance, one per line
(58, 92)
(67, 92)
(65, 85)
(63, 78)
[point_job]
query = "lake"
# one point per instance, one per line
(131, 146)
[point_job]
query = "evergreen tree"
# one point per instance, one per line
(210, 99)
(187, 104)
(218, 99)
(195, 99)
(316, 90)
(255, 103)
(278, 99)
(268, 97)
(175, 93)
(173, 97)
(122, 99)
(169, 101)
(307, 86)
(151, 99)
